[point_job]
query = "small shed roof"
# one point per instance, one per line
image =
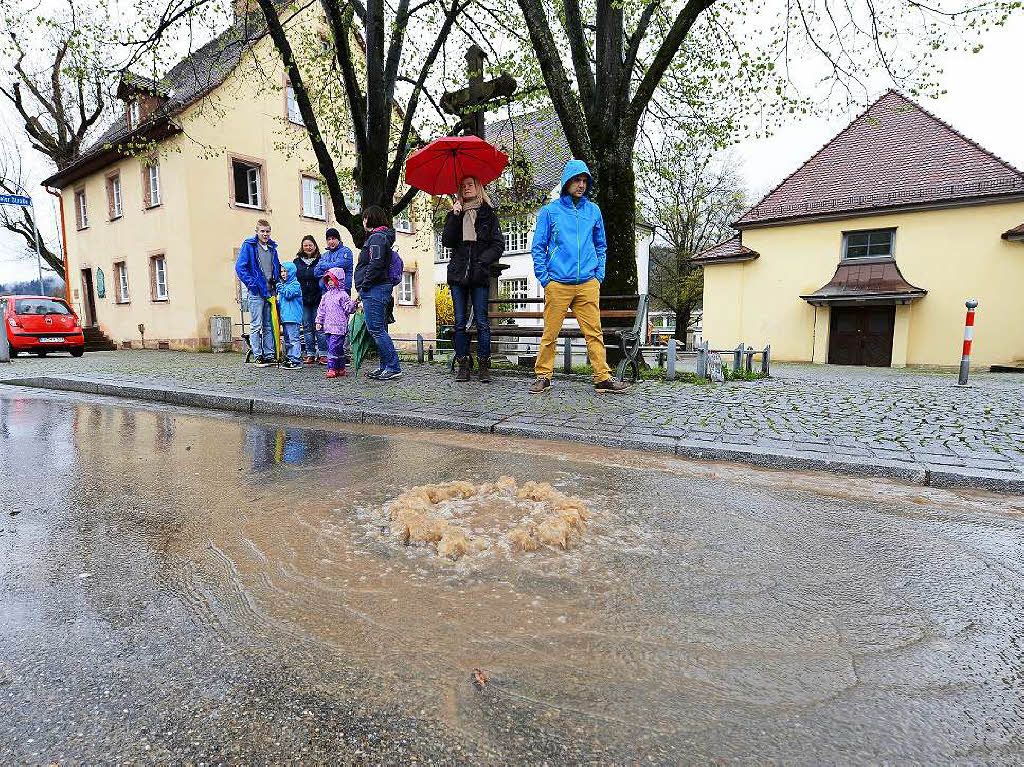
(874, 281)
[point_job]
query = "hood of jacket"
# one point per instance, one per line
(574, 168)
(289, 269)
(339, 278)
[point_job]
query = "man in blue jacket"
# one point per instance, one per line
(568, 258)
(336, 256)
(259, 269)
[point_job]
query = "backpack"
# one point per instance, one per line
(395, 268)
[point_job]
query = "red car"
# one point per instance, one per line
(41, 324)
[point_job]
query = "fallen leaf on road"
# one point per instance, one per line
(479, 678)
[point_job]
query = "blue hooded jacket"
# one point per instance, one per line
(340, 258)
(568, 243)
(247, 267)
(290, 293)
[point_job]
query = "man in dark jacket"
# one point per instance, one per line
(259, 269)
(373, 282)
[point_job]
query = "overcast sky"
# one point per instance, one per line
(983, 102)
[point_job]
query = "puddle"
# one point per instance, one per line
(685, 608)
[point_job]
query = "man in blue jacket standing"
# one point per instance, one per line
(337, 256)
(569, 249)
(259, 269)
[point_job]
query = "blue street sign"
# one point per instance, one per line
(15, 199)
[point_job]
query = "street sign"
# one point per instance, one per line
(15, 199)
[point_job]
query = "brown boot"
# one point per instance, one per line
(463, 371)
(484, 371)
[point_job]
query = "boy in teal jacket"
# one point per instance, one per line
(569, 249)
(289, 291)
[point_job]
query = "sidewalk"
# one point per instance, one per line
(915, 426)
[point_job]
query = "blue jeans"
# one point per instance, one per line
(375, 304)
(316, 341)
(261, 332)
(461, 296)
(291, 341)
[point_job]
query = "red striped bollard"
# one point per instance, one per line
(965, 361)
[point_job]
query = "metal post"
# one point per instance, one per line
(419, 348)
(39, 257)
(737, 359)
(670, 373)
(430, 354)
(764, 358)
(750, 359)
(567, 355)
(5, 349)
(965, 361)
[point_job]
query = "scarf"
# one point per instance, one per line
(469, 211)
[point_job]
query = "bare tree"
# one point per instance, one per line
(692, 196)
(17, 219)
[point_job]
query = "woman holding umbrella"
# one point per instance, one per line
(473, 233)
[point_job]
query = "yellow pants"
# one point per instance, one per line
(584, 300)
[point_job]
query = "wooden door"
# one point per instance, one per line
(861, 336)
(89, 304)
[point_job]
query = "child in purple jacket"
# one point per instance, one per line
(332, 318)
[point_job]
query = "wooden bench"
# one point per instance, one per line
(622, 320)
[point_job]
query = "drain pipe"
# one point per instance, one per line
(63, 244)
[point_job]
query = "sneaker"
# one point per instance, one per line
(390, 375)
(289, 365)
(342, 373)
(263, 362)
(332, 373)
(375, 374)
(310, 360)
(540, 385)
(610, 386)
(323, 360)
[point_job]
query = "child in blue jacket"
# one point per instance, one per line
(289, 290)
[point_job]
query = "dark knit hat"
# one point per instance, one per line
(332, 232)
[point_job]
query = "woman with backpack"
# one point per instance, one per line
(473, 233)
(373, 280)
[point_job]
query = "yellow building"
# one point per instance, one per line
(152, 235)
(866, 254)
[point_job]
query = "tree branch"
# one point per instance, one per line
(580, 58)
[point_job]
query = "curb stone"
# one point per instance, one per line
(909, 470)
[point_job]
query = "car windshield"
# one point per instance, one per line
(40, 306)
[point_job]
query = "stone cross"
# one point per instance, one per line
(470, 103)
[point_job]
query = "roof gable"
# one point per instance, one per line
(895, 154)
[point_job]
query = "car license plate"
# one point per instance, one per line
(51, 340)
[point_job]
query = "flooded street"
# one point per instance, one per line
(182, 587)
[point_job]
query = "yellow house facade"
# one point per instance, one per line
(867, 254)
(152, 235)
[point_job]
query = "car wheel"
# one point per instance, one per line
(77, 352)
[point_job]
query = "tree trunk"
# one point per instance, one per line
(682, 323)
(616, 194)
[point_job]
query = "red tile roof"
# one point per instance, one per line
(894, 155)
(879, 281)
(732, 249)
(1017, 233)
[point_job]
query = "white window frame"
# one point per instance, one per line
(407, 289)
(403, 221)
(159, 278)
(124, 297)
(254, 184)
(134, 114)
(516, 288)
(292, 106)
(441, 253)
(83, 209)
(517, 234)
(312, 195)
(846, 243)
(115, 188)
(155, 195)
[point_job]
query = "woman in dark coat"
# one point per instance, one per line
(473, 233)
(306, 261)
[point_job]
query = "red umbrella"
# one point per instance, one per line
(440, 166)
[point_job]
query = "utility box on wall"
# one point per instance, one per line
(220, 333)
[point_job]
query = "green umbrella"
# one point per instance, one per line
(362, 343)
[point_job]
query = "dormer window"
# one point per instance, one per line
(134, 114)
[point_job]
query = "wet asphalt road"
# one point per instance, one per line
(176, 587)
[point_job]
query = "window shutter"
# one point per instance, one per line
(110, 197)
(152, 278)
(147, 196)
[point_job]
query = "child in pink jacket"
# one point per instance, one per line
(332, 318)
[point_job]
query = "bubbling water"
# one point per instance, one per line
(460, 518)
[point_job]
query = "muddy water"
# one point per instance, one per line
(706, 612)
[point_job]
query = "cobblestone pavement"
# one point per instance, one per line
(914, 425)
